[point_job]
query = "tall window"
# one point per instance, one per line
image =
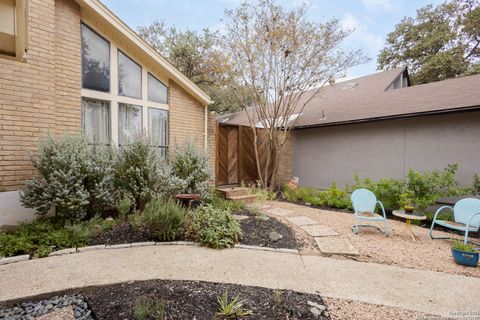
(129, 77)
(95, 61)
(96, 121)
(157, 91)
(158, 130)
(12, 28)
(129, 122)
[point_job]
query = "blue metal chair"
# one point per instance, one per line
(364, 203)
(466, 213)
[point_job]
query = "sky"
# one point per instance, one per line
(371, 19)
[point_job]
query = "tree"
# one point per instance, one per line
(439, 43)
(197, 55)
(275, 57)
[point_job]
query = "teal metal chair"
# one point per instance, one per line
(466, 213)
(364, 203)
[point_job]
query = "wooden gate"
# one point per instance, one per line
(236, 154)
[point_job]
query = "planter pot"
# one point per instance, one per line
(469, 259)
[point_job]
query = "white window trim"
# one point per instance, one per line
(115, 99)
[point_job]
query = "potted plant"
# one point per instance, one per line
(465, 254)
(407, 203)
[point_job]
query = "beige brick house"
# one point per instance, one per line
(71, 65)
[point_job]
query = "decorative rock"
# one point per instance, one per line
(316, 305)
(275, 236)
(316, 313)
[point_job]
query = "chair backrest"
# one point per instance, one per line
(464, 208)
(363, 200)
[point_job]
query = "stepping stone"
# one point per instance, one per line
(240, 217)
(280, 212)
(319, 230)
(336, 245)
(302, 221)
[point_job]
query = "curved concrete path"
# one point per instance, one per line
(417, 290)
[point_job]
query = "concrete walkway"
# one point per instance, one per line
(417, 290)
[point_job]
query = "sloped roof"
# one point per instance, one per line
(366, 99)
(101, 11)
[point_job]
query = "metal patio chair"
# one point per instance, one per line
(364, 203)
(466, 213)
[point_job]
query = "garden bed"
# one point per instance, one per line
(123, 233)
(186, 300)
(265, 231)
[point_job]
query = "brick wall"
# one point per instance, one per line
(30, 104)
(212, 143)
(187, 119)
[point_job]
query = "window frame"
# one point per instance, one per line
(20, 33)
(115, 99)
(109, 56)
(119, 51)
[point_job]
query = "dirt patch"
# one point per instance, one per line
(257, 231)
(123, 233)
(198, 300)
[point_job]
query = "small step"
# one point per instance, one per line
(233, 191)
(249, 198)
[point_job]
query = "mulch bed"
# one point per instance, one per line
(256, 232)
(123, 233)
(197, 300)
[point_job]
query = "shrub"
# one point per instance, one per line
(231, 309)
(72, 179)
(145, 308)
(220, 203)
(136, 173)
(123, 208)
(388, 191)
(336, 198)
(476, 185)
(214, 227)
(191, 166)
(39, 237)
(164, 217)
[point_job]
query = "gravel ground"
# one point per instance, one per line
(397, 249)
(340, 309)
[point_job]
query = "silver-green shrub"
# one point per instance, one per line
(72, 178)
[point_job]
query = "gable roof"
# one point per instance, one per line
(369, 100)
(103, 12)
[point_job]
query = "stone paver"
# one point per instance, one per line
(335, 245)
(318, 230)
(418, 290)
(302, 221)
(280, 212)
(60, 314)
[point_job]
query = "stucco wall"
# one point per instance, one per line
(387, 149)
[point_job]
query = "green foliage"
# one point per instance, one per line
(476, 185)
(439, 43)
(231, 309)
(388, 191)
(136, 173)
(331, 197)
(213, 227)
(220, 203)
(262, 194)
(40, 236)
(73, 179)
(191, 166)
(466, 247)
(164, 217)
(145, 308)
(123, 207)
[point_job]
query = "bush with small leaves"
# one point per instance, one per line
(164, 217)
(214, 228)
(136, 173)
(191, 166)
(73, 179)
(145, 308)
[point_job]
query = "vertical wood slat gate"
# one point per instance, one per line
(236, 154)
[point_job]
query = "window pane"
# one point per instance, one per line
(158, 127)
(7, 27)
(96, 120)
(95, 61)
(129, 77)
(129, 122)
(157, 91)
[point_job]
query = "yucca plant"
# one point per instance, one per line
(231, 309)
